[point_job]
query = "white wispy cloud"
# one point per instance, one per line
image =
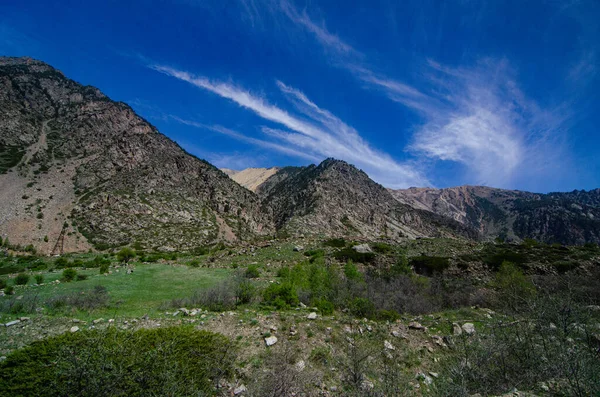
(315, 134)
(473, 116)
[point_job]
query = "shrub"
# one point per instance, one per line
(388, 315)
(281, 296)
(429, 265)
(95, 298)
(125, 255)
(81, 277)
(382, 248)
(218, 298)
(194, 263)
(335, 242)
(61, 262)
(9, 290)
(514, 288)
(349, 254)
(104, 268)
(324, 306)
(39, 279)
(252, 271)
(351, 272)
(245, 292)
(21, 279)
(69, 274)
(2, 283)
(161, 361)
(362, 307)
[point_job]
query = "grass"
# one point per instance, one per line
(137, 294)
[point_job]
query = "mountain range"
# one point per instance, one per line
(79, 167)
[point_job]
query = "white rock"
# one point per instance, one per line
(456, 329)
(425, 378)
(98, 320)
(362, 248)
(388, 345)
(11, 323)
(239, 390)
(74, 329)
(469, 328)
(312, 316)
(300, 365)
(271, 340)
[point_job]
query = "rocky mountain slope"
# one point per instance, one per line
(335, 198)
(251, 178)
(71, 157)
(568, 218)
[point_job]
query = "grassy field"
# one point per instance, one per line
(131, 295)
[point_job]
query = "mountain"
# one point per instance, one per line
(567, 218)
(335, 198)
(72, 158)
(251, 178)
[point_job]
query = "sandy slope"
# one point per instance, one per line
(251, 178)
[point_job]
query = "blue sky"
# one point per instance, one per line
(415, 93)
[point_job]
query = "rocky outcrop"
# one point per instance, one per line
(568, 218)
(95, 165)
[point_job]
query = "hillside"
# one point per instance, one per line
(251, 178)
(568, 218)
(335, 198)
(71, 156)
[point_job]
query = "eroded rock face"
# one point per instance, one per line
(95, 160)
(568, 218)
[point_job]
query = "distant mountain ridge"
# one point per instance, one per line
(78, 170)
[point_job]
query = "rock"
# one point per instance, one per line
(456, 329)
(74, 329)
(302, 305)
(298, 248)
(271, 340)
(469, 328)
(434, 374)
(111, 320)
(362, 248)
(438, 340)
(98, 320)
(312, 316)
(425, 378)
(24, 318)
(388, 345)
(300, 365)
(416, 325)
(11, 323)
(241, 389)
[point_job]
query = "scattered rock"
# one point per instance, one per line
(271, 340)
(469, 328)
(312, 316)
(388, 345)
(74, 329)
(425, 378)
(417, 326)
(362, 248)
(456, 329)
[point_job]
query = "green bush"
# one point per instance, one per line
(61, 262)
(388, 315)
(281, 296)
(81, 277)
(362, 307)
(382, 248)
(429, 265)
(69, 274)
(513, 287)
(324, 306)
(245, 292)
(2, 283)
(21, 279)
(39, 279)
(9, 290)
(104, 268)
(194, 263)
(125, 254)
(173, 361)
(252, 271)
(351, 272)
(349, 254)
(335, 242)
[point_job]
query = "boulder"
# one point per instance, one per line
(74, 329)
(456, 329)
(469, 328)
(312, 316)
(271, 340)
(362, 248)
(241, 389)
